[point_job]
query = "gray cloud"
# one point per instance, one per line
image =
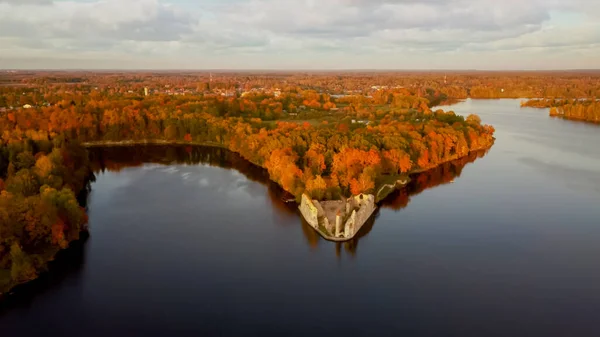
(27, 2)
(84, 24)
(381, 28)
(301, 16)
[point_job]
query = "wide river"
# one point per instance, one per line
(194, 242)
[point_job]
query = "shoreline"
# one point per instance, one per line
(85, 233)
(399, 184)
(109, 143)
(48, 265)
(562, 116)
(579, 120)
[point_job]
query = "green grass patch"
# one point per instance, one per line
(384, 192)
(387, 184)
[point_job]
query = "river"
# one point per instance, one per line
(195, 242)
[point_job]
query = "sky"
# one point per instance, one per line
(300, 34)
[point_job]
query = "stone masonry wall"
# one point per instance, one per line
(358, 218)
(362, 207)
(309, 211)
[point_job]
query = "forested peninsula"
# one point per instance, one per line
(587, 110)
(310, 141)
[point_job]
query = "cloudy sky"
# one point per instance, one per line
(300, 34)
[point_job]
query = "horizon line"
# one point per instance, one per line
(292, 70)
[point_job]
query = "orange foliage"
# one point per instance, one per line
(238, 113)
(424, 159)
(397, 161)
(58, 234)
(364, 184)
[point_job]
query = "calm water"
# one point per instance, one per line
(511, 248)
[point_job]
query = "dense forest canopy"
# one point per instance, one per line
(39, 211)
(308, 138)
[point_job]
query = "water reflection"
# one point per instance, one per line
(446, 173)
(115, 159)
(348, 247)
(512, 241)
(118, 158)
(69, 268)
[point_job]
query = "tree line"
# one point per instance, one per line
(330, 155)
(587, 110)
(39, 210)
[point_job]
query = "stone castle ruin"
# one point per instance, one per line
(338, 220)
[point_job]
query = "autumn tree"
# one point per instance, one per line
(316, 187)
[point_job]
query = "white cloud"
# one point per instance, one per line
(296, 33)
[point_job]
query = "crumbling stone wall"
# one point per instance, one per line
(351, 215)
(309, 211)
(366, 206)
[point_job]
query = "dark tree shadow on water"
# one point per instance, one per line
(119, 158)
(67, 263)
(444, 174)
(72, 260)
